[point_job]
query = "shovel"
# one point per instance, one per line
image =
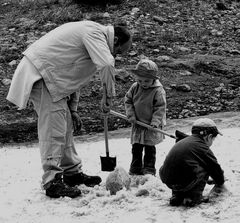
(179, 135)
(142, 124)
(107, 163)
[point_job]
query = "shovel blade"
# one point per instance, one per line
(108, 163)
(180, 135)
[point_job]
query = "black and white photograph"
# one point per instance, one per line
(119, 111)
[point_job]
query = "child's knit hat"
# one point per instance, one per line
(146, 68)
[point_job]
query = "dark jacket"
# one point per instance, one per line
(187, 161)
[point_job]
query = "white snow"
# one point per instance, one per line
(23, 200)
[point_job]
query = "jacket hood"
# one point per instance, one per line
(157, 83)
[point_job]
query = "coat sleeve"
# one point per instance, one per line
(98, 49)
(214, 168)
(73, 101)
(159, 108)
(128, 102)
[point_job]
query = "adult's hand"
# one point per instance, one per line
(77, 122)
(106, 104)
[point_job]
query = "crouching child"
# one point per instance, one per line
(190, 163)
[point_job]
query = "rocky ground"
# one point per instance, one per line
(195, 43)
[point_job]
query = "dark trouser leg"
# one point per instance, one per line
(149, 160)
(177, 198)
(194, 196)
(136, 164)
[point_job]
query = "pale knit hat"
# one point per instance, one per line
(204, 126)
(146, 68)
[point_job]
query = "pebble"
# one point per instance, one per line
(142, 192)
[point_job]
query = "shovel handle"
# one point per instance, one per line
(105, 118)
(142, 124)
(106, 134)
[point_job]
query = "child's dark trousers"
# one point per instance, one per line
(143, 164)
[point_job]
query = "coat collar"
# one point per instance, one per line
(157, 83)
(110, 37)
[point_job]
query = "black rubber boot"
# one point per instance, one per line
(57, 188)
(176, 199)
(81, 178)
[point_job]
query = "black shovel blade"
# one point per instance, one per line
(108, 163)
(180, 135)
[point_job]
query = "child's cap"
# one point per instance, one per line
(146, 68)
(204, 126)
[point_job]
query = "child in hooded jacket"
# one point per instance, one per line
(145, 101)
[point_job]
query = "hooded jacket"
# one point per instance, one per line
(148, 106)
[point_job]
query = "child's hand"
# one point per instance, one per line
(217, 189)
(132, 119)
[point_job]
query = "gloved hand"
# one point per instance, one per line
(77, 122)
(106, 105)
(132, 119)
(217, 190)
(154, 125)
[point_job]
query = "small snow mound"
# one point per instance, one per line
(117, 180)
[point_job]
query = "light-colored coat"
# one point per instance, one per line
(67, 58)
(148, 106)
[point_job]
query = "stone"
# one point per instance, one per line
(12, 63)
(132, 53)
(6, 81)
(106, 15)
(185, 73)
(163, 58)
(135, 10)
(181, 87)
(160, 20)
(142, 192)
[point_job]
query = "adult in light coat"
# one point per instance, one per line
(51, 73)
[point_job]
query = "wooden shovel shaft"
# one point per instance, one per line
(105, 117)
(106, 134)
(142, 124)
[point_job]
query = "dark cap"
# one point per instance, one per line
(205, 126)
